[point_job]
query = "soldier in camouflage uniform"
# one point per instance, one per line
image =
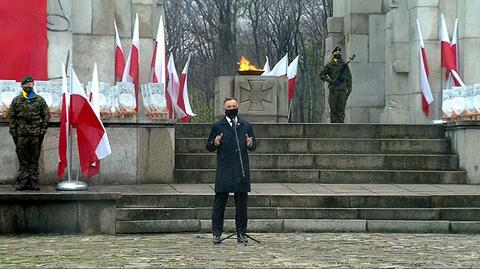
(28, 122)
(339, 85)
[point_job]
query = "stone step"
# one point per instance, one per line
(302, 225)
(330, 145)
(328, 161)
(314, 130)
(328, 200)
(330, 176)
(205, 213)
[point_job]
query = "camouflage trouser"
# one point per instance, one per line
(28, 153)
(337, 99)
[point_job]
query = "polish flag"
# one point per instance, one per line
(266, 68)
(95, 103)
(173, 87)
(427, 97)
(159, 63)
(447, 59)
(291, 75)
(280, 69)
(119, 58)
(183, 102)
(454, 79)
(64, 127)
(92, 138)
(131, 72)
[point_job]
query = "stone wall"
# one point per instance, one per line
(386, 71)
(142, 152)
(82, 32)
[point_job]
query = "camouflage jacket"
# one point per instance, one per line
(28, 117)
(332, 70)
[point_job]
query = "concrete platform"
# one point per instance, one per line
(273, 207)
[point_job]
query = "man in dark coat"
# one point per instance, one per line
(233, 173)
(339, 78)
(28, 122)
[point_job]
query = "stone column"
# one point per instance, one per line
(397, 64)
(363, 28)
(469, 40)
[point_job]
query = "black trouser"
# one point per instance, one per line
(218, 212)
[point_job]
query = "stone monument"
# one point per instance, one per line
(386, 72)
(261, 98)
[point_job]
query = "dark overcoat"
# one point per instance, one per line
(229, 172)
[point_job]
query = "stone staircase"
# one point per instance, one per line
(329, 153)
(319, 178)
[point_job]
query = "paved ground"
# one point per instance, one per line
(276, 250)
(284, 188)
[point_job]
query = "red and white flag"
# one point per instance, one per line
(183, 101)
(280, 69)
(173, 86)
(132, 69)
(159, 64)
(64, 127)
(427, 97)
(454, 78)
(93, 95)
(291, 75)
(119, 58)
(447, 58)
(266, 68)
(92, 138)
(95, 103)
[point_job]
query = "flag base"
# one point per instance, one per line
(72, 186)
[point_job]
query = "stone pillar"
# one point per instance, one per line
(469, 40)
(464, 137)
(364, 34)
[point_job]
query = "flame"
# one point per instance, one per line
(245, 65)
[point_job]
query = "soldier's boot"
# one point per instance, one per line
(34, 186)
(21, 186)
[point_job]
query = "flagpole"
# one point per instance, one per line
(70, 185)
(67, 129)
(289, 110)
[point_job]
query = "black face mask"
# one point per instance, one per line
(337, 56)
(231, 113)
(28, 89)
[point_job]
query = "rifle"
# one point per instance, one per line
(344, 67)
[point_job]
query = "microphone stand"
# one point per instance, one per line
(234, 125)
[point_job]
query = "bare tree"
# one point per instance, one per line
(216, 32)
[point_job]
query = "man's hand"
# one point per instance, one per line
(218, 139)
(249, 141)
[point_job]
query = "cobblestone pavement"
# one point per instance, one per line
(298, 250)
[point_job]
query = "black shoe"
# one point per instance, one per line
(241, 238)
(21, 187)
(34, 187)
(217, 239)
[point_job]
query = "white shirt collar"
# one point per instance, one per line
(230, 121)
